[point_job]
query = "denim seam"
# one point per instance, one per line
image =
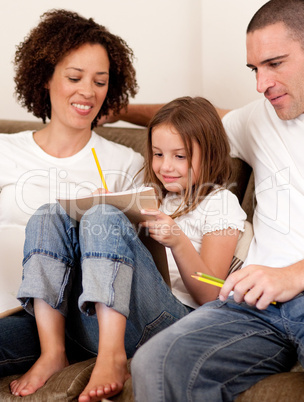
(20, 360)
(215, 349)
(113, 257)
(286, 324)
(254, 365)
(171, 346)
(112, 292)
(153, 324)
(63, 287)
(49, 254)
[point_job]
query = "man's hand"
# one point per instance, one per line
(260, 285)
(109, 118)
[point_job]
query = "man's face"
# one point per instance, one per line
(278, 61)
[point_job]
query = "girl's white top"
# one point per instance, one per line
(219, 210)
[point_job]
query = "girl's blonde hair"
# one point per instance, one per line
(195, 119)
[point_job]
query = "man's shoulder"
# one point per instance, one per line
(258, 106)
(256, 115)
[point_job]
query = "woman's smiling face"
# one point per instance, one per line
(79, 86)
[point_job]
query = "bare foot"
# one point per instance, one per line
(38, 374)
(107, 378)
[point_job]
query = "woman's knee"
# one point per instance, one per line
(101, 218)
(40, 214)
(102, 212)
(47, 213)
(48, 226)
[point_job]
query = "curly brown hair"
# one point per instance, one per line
(58, 33)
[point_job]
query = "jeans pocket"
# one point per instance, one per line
(163, 321)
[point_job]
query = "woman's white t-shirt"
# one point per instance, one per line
(29, 177)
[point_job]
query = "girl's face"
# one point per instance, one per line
(79, 86)
(169, 161)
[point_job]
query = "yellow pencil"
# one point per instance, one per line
(99, 170)
(206, 280)
(212, 280)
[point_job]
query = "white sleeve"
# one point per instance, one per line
(223, 211)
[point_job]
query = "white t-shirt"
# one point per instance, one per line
(219, 210)
(29, 177)
(274, 149)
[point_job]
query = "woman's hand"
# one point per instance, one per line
(162, 227)
(100, 191)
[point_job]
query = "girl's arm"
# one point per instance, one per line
(214, 259)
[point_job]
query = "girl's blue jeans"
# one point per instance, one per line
(71, 266)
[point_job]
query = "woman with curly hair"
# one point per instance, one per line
(59, 33)
(69, 71)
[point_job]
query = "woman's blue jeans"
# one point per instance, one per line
(71, 266)
(218, 351)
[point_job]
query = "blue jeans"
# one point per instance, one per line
(71, 266)
(219, 351)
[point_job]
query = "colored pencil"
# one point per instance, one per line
(99, 170)
(212, 280)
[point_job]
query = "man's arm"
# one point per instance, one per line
(222, 112)
(140, 114)
(135, 114)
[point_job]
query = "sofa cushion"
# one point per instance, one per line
(65, 385)
(276, 388)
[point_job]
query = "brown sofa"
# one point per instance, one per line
(66, 385)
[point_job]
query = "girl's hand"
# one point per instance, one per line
(162, 227)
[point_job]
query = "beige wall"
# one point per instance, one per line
(182, 47)
(226, 80)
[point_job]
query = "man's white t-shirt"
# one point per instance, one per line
(274, 149)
